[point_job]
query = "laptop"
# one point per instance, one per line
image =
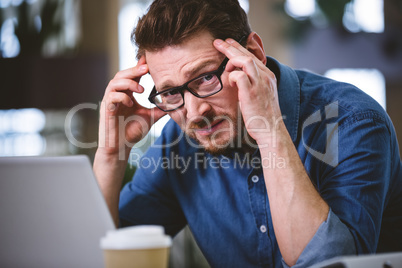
(52, 213)
(382, 260)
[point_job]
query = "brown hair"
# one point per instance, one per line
(170, 22)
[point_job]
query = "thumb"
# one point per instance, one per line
(157, 114)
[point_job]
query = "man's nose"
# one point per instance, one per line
(195, 107)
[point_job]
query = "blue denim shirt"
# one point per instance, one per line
(348, 146)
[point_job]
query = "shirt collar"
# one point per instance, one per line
(289, 94)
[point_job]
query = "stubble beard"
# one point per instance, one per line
(225, 141)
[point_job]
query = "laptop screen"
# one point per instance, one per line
(53, 213)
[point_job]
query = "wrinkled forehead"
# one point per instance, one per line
(173, 65)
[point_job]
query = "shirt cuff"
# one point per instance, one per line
(332, 239)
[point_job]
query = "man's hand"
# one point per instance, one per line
(123, 122)
(257, 89)
(290, 192)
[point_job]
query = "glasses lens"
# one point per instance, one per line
(203, 86)
(168, 100)
(206, 85)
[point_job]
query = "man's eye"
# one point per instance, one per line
(205, 80)
(208, 77)
(171, 93)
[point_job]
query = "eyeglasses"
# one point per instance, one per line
(202, 86)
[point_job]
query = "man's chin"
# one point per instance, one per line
(214, 146)
(225, 146)
(218, 151)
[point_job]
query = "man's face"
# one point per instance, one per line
(213, 121)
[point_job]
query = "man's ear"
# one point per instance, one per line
(255, 46)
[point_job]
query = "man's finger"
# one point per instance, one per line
(227, 49)
(232, 48)
(157, 113)
(135, 72)
(118, 97)
(125, 85)
(241, 79)
(246, 64)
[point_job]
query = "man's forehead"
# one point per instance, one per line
(188, 74)
(174, 66)
(193, 47)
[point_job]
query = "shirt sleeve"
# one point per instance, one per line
(149, 199)
(356, 188)
(331, 239)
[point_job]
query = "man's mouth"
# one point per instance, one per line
(208, 130)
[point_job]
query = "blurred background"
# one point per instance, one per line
(57, 56)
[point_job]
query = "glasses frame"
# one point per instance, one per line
(218, 72)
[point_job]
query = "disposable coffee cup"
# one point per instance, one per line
(139, 246)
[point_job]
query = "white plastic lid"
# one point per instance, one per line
(136, 237)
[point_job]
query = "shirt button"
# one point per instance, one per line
(263, 229)
(255, 178)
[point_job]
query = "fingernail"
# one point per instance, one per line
(143, 68)
(112, 107)
(230, 40)
(218, 41)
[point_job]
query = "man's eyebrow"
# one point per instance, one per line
(190, 74)
(166, 85)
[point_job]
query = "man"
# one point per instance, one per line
(276, 167)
